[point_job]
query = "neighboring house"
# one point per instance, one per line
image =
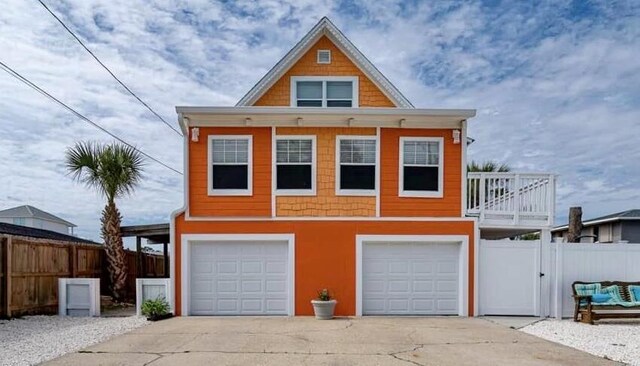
(29, 232)
(325, 176)
(34, 217)
(618, 227)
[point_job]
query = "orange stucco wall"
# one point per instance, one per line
(259, 204)
(325, 202)
(391, 204)
(280, 93)
(324, 252)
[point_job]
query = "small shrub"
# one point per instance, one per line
(324, 295)
(157, 307)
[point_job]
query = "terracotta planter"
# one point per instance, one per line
(324, 309)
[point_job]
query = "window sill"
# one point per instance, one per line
(294, 192)
(421, 194)
(230, 192)
(356, 192)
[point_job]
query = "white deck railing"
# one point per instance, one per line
(511, 199)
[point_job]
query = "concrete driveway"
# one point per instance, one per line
(303, 340)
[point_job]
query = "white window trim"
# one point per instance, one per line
(318, 57)
(355, 192)
(314, 163)
(353, 79)
(426, 194)
(230, 192)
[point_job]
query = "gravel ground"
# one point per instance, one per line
(34, 339)
(619, 340)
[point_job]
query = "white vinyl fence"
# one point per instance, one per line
(534, 278)
(79, 296)
(589, 262)
(152, 289)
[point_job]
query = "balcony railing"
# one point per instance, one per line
(511, 199)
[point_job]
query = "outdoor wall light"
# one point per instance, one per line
(456, 136)
(195, 134)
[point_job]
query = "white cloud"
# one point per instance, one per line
(556, 89)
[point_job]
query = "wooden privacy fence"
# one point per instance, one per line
(30, 268)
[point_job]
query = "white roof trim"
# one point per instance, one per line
(325, 27)
(322, 117)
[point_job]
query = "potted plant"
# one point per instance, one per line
(324, 305)
(155, 310)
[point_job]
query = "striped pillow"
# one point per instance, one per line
(587, 288)
(614, 291)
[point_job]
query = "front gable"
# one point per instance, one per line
(374, 89)
(369, 94)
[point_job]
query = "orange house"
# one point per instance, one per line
(324, 176)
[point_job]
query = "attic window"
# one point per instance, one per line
(324, 56)
(324, 91)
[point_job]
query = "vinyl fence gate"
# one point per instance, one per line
(509, 277)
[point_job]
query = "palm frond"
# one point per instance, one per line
(487, 166)
(114, 170)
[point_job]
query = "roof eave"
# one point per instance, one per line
(324, 117)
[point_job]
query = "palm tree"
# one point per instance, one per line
(114, 170)
(487, 166)
(473, 188)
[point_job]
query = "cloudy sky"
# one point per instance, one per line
(556, 85)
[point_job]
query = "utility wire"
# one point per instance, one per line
(108, 70)
(16, 75)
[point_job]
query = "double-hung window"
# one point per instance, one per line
(320, 91)
(421, 172)
(295, 165)
(356, 165)
(230, 160)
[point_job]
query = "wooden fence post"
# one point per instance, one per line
(6, 271)
(73, 261)
(139, 258)
(165, 259)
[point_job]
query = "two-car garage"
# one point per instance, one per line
(254, 274)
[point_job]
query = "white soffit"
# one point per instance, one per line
(322, 117)
(327, 28)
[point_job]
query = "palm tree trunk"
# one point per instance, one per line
(116, 260)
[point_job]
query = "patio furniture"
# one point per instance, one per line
(605, 300)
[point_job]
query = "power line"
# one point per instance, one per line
(108, 70)
(16, 75)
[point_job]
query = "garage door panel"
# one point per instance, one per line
(422, 266)
(224, 267)
(422, 286)
(239, 278)
(276, 267)
(276, 305)
(252, 267)
(424, 306)
(251, 286)
(274, 286)
(404, 278)
(398, 267)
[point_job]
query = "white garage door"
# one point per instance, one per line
(409, 278)
(239, 278)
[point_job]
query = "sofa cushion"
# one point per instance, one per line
(634, 292)
(614, 291)
(600, 298)
(583, 289)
